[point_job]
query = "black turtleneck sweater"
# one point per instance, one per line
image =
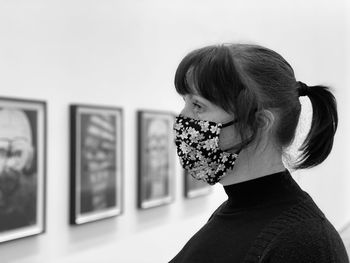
(269, 219)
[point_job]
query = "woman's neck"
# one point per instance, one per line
(253, 163)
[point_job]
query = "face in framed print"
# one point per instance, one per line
(22, 168)
(193, 187)
(96, 163)
(156, 158)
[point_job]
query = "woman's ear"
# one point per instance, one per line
(265, 119)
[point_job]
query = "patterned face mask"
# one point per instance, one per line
(197, 143)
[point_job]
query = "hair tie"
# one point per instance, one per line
(303, 89)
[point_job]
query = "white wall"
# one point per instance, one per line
(125, 53)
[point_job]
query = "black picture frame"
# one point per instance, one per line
(96, 163)
(156, 158)
(194, 188)
(22, 168)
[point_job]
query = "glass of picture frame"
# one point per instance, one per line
(156, 158)
(193, 187)
(22, 168)
(96, 163)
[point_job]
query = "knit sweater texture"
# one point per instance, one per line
(267, 220)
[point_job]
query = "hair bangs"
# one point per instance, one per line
(210, 73)
(184, 73)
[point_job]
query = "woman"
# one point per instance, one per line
(241, 111)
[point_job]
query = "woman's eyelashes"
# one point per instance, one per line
(196, 106)
(193, 105)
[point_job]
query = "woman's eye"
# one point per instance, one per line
(197, 106)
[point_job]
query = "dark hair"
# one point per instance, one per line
(244, 79)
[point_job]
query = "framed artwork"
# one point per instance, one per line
(156, 162)
(193, 187)
(22, 168)
(96, 163)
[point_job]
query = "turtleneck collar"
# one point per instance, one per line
(277, 187)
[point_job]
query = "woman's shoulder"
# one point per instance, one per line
(309, 240)
(300, 234)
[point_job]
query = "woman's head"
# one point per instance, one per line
(251, 82)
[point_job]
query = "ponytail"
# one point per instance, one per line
(319, 141)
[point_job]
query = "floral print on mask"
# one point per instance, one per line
(197, 143)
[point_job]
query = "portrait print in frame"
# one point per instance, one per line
(96, 163)
(156, 162)
(22, 168)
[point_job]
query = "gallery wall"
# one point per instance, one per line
(124, 54)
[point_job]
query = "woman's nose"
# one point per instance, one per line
(183, 112)
(187, 112)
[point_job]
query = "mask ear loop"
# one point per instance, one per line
(224, 125)
(240, 145)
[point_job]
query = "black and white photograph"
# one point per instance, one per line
(156, 158)
(22, 168)
(96, 163)
(193, 187)
(177, 131)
